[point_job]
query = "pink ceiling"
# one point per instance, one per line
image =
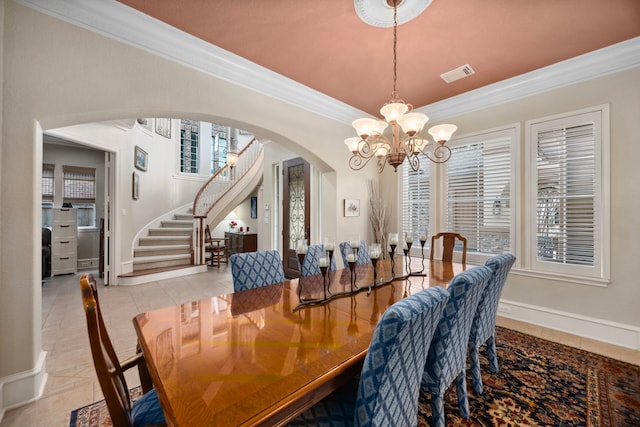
(324, 45)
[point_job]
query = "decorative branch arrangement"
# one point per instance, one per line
(378, 214)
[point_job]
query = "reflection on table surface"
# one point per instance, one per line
(249, 358)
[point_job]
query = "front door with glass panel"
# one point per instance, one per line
(295, 215)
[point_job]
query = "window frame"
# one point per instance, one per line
(599, 273)
(513, 132)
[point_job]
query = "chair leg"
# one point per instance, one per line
(463, 400)
(476, 375)
(437, 410)
(492, 355)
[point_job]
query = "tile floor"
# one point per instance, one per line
(72, 381)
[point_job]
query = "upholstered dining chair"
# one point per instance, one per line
(389, 386)
(363, 253)
(447, 357)
(145, 411)
(448, 243)
(483, 328)
(255, 269)
(310, 265)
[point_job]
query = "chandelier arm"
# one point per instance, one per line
(440, 154)
(357, 162)
(414, 162)
(382, 161)
(364, 149)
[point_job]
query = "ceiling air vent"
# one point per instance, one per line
(457, 73)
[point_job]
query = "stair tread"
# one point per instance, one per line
(159, 247)
(160, 258)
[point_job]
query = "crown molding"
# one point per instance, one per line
(619, 57)
(122, 23)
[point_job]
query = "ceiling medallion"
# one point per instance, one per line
(376, 12)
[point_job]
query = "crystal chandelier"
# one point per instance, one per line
(372, 142)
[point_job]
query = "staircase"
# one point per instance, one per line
(175, 248)
(168, 245)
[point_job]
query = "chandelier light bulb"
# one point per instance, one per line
(353, 143)
(412, 123)
(442, 133)
(365, 127)
(392, 111)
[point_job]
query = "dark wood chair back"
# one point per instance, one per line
(109, 369)
(448, 243)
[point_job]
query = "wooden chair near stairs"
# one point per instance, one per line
(215, 248)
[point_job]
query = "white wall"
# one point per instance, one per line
(61, 75)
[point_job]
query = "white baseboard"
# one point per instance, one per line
(601, 330)
(88, 263)
(24, 387)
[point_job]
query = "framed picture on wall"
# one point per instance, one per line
(140, 159)
(254, 207)
(351, 207)
(135, 186)
(163, 127)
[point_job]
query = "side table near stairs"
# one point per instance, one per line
(241, 242)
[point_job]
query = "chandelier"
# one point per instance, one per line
(371, 141)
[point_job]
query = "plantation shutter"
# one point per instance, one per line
(47, 182)
(79, 184)
(478, 195)
(566, 194)
(416, 201)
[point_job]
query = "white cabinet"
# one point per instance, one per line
(64, 241)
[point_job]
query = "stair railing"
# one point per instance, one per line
(216, 187)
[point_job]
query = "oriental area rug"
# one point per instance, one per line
(540, 383)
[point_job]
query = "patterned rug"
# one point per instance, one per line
(540, 383)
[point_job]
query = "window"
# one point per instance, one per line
(478, 192)
(189, 140)
(566, 202)
(80, 191)
(474, 198)
(219, 147)
(416, 196)
(47, 194)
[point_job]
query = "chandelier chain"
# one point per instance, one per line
(394, 94)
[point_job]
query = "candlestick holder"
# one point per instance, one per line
(392, 252)
(300, 256)
(423, 241)
(352, 268)
(406, 248)
(330, 254)
(323, 271)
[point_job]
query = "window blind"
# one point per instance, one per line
(79, 184)
(47, 182)
(416, 201)
(478, 194)
(566, 194)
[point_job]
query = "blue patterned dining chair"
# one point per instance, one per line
(447, 357)
(389, 385)
(310, 265)
(255, 269)
(483, 328)
(363, 253)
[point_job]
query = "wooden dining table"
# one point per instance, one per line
(255, 358)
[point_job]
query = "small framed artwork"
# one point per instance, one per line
(135, 186)
(351, 207)
(254, 207)
(163, 127)
(141, 158)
